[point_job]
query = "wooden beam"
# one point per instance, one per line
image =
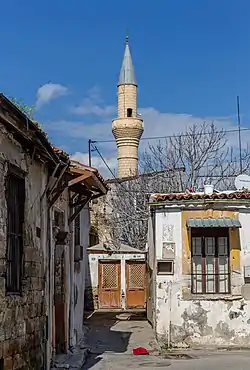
(79, 201)
(99, 184)
(98, 195)
(78, 209)
(79, 170)
(57, 194)
(79, 179)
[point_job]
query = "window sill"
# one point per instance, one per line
(211, 297)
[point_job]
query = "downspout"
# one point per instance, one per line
(50, 273)
(50, 286)
(170, 313)
(71, 285)
(72, 339)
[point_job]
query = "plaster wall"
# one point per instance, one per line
(184, 319)
(80, 268)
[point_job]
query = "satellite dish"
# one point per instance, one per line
(242, 182)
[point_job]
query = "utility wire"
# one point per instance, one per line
(176, 136)
(116, 179)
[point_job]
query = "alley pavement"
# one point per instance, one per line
(212, 361)
(111, 337)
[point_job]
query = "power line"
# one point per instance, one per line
(177, 136)
(116, 179)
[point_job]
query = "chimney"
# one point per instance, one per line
(208, 189)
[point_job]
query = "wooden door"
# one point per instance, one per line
(135, 284)
(109, 284)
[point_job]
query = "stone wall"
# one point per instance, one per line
(22, 317)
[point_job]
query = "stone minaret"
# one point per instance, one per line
(128, 127)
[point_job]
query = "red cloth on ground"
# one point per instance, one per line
(140, 351)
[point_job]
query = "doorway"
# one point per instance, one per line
(135, 284)
(109, 284)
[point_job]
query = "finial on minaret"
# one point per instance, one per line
(127, 39)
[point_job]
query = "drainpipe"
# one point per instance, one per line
(170, 311)
(71, 285)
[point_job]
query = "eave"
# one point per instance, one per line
(30, 136)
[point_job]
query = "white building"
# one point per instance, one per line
(199, 268)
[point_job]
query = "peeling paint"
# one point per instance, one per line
(201, 320)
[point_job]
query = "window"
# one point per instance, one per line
(165, 267)
(77, 229)
(129, 112)
(15, 197)
(210, 261)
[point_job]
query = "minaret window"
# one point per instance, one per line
(129, 112)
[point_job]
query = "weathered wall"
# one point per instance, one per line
(22, 318)
(80, 269)
(92, 275)
(60, 321)
(201, 320)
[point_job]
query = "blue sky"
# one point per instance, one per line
(191, 60)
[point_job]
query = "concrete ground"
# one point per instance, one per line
(234, 361)
(111, 341)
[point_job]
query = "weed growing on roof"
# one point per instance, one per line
(28, 111)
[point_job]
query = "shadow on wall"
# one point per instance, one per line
(90, 293)
(100, 337)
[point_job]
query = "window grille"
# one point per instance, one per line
(210, 261)
(15, 197)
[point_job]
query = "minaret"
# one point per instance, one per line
(127, 128)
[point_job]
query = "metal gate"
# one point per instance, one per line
(109, 284)
(135, 284)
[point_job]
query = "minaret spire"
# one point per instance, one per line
(128, 127)
(127, 73)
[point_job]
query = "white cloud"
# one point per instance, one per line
(97, 162)
(93, 105)
(49, 92)
(156, 124)
(88, 107)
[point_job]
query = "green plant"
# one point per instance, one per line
(26, 109)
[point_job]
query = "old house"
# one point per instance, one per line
(44, 221)
(198, 259)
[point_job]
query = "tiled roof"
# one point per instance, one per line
(200, 196)
(26, 129)
(60, 152)
(123, 248)
(82, 166)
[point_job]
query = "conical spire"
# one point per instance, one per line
(127, 73)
